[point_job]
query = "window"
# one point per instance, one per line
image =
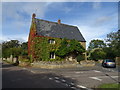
(52, 55)
(51, 41)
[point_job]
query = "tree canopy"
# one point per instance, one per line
(14, 48)
(96, 44)
(109, 49)
(68, 47)
(113, 41)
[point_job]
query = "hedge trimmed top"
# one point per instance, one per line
(57, 30)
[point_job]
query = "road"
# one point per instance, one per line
(74, 78)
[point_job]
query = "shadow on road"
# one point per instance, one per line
(7, 65)
(26, 79)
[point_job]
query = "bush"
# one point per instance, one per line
(97, 54)
(80, 57)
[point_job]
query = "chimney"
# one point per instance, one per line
(33, 15)
(59, 21)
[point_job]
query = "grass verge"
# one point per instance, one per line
(114, 85)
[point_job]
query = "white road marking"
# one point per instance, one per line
(81, 86)
(73, 87)
(96, 71)
(72, 83)
(108, 69)
(67, 76)
(63, 80)
(56, 77)
(107, 76)
(66, 84)
(50, 78)
(32, 72)
(73, 78)
(96, 78)
(25, 68)
(78, 72)
(57, 81)
(114, 76)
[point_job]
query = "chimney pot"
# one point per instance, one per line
(33, 15)
(59, 21)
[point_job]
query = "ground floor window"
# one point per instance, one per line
(52, 55)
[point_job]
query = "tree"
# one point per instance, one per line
(113, 41)
(24, 47)
(97, 54)
(110, 53)
(69, 47)
(96, 44)
(14, 48)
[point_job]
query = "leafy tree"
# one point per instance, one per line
(68, 47)
(110, 53)
(10, 44)
(97, 54)
(14, 48)
(62, 50)
(15, 51)
(113, 41)
(24, 47)
(96, 44)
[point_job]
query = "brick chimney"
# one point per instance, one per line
(33, 15)
(59, 21)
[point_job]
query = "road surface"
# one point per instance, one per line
(74, 78)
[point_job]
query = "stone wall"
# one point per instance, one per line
(87, 63)
(118, 60)
(53, 65)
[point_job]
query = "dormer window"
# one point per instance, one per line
(51, 41)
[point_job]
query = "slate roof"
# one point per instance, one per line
(53, 29)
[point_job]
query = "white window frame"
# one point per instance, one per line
(51, 41)
(52, 55)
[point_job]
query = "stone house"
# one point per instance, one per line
(45, 37)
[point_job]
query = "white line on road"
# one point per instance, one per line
(63, 80)
(96, 71)
(32, 72)
(74, 87)
(78, 72)
(81, 86)
(51, 78)
(72, 83)
(24, 68)
(57, 81)
(66, 84)
(95, 78)
(107, 76)
(56, 77)
(67, 76)
(114, 76)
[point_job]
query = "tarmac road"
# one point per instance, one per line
(71, 78)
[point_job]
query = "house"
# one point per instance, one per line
(45, 37)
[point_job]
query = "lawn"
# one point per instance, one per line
(110, 86)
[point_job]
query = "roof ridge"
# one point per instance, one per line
(55, 22)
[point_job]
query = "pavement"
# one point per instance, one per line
(70, 78)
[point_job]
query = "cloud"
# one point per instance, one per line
(101, 20)
(97, 27)
(67, 9)
(18, 11)
(97, 5)
(20, 37)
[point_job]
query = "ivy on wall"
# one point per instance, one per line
(39, 47)
(42, 48)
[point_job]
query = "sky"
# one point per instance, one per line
(94, 19)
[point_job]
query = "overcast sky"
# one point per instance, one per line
(94, 19)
